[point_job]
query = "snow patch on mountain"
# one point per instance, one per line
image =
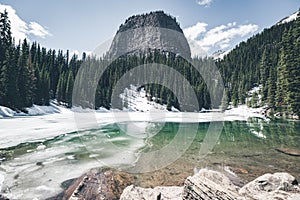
(289, 18)
(255, 90)
(136, 99)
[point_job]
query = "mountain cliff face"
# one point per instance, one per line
(152, 31)
(155, 19)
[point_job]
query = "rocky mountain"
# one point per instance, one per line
(151, 31)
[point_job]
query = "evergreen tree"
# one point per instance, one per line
(5, 35)
(25, 78)
(5, 59)
(265, 66)
(69, 88)
(224, 103)
(254, 100)
(9, 90)
(271, 88)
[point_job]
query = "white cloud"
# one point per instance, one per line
(205, 3)
(194, 31)
(220, 37)
(38, 30)
(224, 34)
(196, 50)
(21, 29)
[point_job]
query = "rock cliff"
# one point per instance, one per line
(152, 31)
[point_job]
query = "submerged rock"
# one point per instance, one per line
(288, 151)
(97, 184)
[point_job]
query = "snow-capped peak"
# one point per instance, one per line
(289, 18)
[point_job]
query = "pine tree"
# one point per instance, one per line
(224, 102)
(69, 88)
(254, 100)
(265, 66)
(5, 35)
(6, 83)
(169, 103)
(61, 88)
(26, 78)
(271, 88)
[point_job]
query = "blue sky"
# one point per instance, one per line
(80, 25)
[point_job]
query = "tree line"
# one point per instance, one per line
(269, 59)
(30, 74)
(157, 90)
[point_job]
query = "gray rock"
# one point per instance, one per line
(148, 32)
(272, 186)
(208, 184)
(157, 193)
(204, 185)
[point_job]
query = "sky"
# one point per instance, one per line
(80, 26)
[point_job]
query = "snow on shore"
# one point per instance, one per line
(32, 111)
(243, 112)
(18, 130)
(6, 112)
(50, 121)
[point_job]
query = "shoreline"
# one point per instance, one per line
(38, 127)
(205, 183)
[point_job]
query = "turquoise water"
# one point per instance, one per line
(248, 148)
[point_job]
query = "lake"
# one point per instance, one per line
(36, 169)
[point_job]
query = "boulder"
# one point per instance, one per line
(157, 193)
(208, 184)
(204, 185)
(280, 186)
